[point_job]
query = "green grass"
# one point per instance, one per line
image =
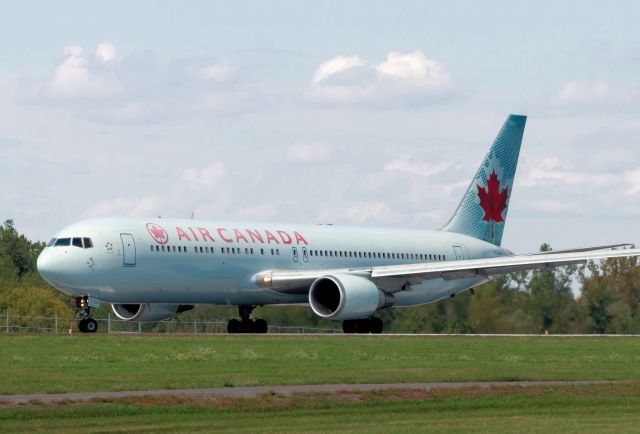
(37, 364)
(602, 408)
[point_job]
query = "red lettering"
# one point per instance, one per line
(285, 237)
(195, 237)
(240, 236)
(255, 236)
(182, 234)
(299, 238)
(205, 234)
(270, 237)
(226, 240)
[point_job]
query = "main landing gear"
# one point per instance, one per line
(366, 325)
(83, 310)
(245, 324)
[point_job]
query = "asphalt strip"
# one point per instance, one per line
(253, 391)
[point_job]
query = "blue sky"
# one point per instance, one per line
(367, 113)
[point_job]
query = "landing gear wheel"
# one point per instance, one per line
(349, 326)
(376, 325)
(82, 326)
(91, 325)
(246, 324)
(363, 325)
(260, 326)
(233, 326)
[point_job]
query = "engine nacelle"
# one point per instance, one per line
(344, 296)
(148, 311)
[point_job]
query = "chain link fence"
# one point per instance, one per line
(111, 325)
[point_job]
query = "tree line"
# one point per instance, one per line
(540, 301)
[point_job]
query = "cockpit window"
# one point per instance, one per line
(52, 242)
(63, 241)
(88, 243)
(77, 242)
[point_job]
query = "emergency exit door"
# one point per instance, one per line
(128, 250)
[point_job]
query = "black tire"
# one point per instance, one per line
(349, 326)
(376, 325)
(247, 326)
(233, 326)
(82, 326)
(91, 325)
(260, 326)
(363, 326)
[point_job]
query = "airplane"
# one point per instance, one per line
(151, 269)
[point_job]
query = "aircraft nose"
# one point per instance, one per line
(50, 265)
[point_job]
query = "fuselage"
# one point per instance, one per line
(130, 260)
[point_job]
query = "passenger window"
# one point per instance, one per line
(174, 249)
(251, 250)
(206, 249)
(212, 250)
(278, 252)
(152, 248)
(271, 252)
(63, 242)
(246, 251)
(262, 251)
(157, 248)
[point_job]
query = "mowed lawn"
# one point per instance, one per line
(567, 409)
(49, 364)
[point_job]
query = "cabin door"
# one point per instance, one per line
(128, 250)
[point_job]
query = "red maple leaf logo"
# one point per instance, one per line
(492, 200)
(158, 233)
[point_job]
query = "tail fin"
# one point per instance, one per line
(482, 212)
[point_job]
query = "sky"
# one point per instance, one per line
(347, 112)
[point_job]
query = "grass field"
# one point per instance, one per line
(49, 364)
(572, 409)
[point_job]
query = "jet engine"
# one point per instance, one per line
(345, 297)
(148, 311)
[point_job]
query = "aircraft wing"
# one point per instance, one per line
(393, 277)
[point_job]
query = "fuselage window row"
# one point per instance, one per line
(274, 252)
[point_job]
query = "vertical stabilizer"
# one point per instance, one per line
(482, 212)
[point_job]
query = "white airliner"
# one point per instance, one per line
(152, 269)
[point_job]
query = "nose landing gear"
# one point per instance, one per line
(245, 324)
(83, 310)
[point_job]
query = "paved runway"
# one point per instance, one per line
(253, 391)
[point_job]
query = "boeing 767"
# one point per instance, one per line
(151, 269)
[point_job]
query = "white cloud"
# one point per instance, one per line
(633, 178)
(552, 206)
(261, 213)
(407, 79)
(551, 172)
(405, 164)
(207, 177)
(308, 152)
(129, 207)
(106, 52)
(78, 77)
(141, 88)
(585, 94)
(358, 212)
(219, 71)
(334, 66)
